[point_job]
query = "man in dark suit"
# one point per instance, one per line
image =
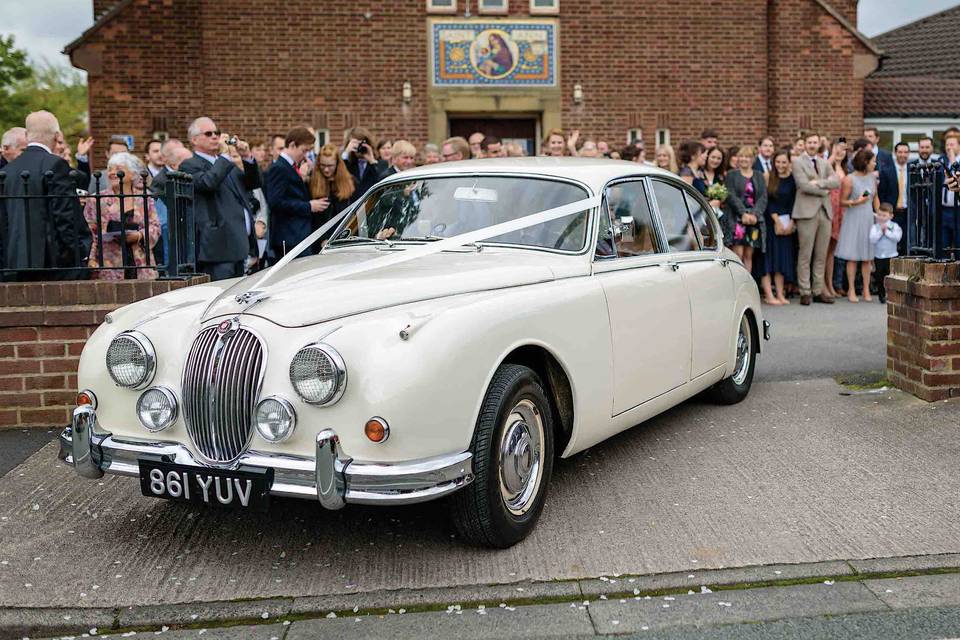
(886, 171)
(361, 160)
(43, 232)
(925, 157)
(765, 150)
(221, 205)
(293, 214)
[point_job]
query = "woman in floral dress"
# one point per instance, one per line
(133, 208)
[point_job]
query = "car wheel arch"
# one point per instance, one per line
(556, 380)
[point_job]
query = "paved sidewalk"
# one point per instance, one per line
(797, 473)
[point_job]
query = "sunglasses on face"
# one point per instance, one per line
(211, 134)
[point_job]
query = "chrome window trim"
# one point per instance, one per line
(150, 356)
(339, 365)
(654, 219)
(652, 196)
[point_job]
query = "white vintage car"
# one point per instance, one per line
(467, 323)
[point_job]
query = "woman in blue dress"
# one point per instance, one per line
(781, 257)
(693, 156)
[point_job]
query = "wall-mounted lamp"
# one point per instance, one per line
(577, 94)
(407, 92)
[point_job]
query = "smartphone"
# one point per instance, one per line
(311, 156)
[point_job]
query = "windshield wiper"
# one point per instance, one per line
(389, 243)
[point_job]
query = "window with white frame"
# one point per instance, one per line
(441, 6)
(663, 136)
(545, 7)
(634, 134)
(322, 138)
(492, 7)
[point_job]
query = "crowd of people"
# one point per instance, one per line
(814, 217)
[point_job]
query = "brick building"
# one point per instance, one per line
(421, 69)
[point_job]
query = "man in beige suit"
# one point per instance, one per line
(813, 213)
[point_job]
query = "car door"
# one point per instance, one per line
(646, 301)
(692, 235)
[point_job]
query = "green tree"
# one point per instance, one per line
(13, 70)
(59, 89)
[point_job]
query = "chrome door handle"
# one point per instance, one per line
(673, 265)
(723, 261)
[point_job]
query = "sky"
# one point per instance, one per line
(44, 33)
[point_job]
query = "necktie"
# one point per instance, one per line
(296, 168)
(900, 184)
(816, 167)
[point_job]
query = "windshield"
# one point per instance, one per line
(436, 208)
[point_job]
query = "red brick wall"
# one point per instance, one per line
(811, 81)
(745, 67)
(148, 67)
(923, 328)
(43, 327)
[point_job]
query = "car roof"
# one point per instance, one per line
(593, 172)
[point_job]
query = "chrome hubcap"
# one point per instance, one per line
(520, 457)
(743, 352)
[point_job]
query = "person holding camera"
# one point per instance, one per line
(293, 214)
(361, 159)
(221, 205)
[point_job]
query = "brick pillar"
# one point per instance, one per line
(43, 327)
(923, 327)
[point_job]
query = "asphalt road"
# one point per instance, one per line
(821, 341)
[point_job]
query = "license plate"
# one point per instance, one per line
(245, 488)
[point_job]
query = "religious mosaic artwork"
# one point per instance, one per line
(516, 53)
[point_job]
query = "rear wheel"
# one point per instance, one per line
(512, 462)
(735, 388)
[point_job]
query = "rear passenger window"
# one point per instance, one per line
(676, 220)
(632, 220)
(701, 218)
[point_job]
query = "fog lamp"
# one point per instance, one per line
(275, 419)
(157, 408)
(131, 360)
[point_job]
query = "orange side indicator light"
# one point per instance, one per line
(86, 398)
(377, 430)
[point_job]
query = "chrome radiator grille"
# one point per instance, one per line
(221, 382)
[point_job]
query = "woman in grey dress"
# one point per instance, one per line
(858, 193)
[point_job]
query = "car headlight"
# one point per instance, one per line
(275, 419)
(157, 408)
(318, 374)
(131, 360)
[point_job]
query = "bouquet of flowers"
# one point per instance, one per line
(717, 192)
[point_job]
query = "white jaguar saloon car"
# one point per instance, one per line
(463, 325)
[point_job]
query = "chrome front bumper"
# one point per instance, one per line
(330, 477)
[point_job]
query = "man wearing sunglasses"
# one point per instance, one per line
(221, 201)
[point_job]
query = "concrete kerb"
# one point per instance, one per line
(38, 621)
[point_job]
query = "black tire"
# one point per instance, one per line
(479, 511)
(734, 388)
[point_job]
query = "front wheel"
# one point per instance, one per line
(735, 388)
(512, 451)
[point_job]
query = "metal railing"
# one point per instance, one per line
(928, 223)
(176, 195)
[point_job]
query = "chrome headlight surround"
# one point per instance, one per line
(305, 366)
(281, 406)
(165, 395)
(144, 350)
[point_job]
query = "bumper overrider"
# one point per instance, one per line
(330, 477)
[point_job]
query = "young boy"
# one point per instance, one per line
(884, 234)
